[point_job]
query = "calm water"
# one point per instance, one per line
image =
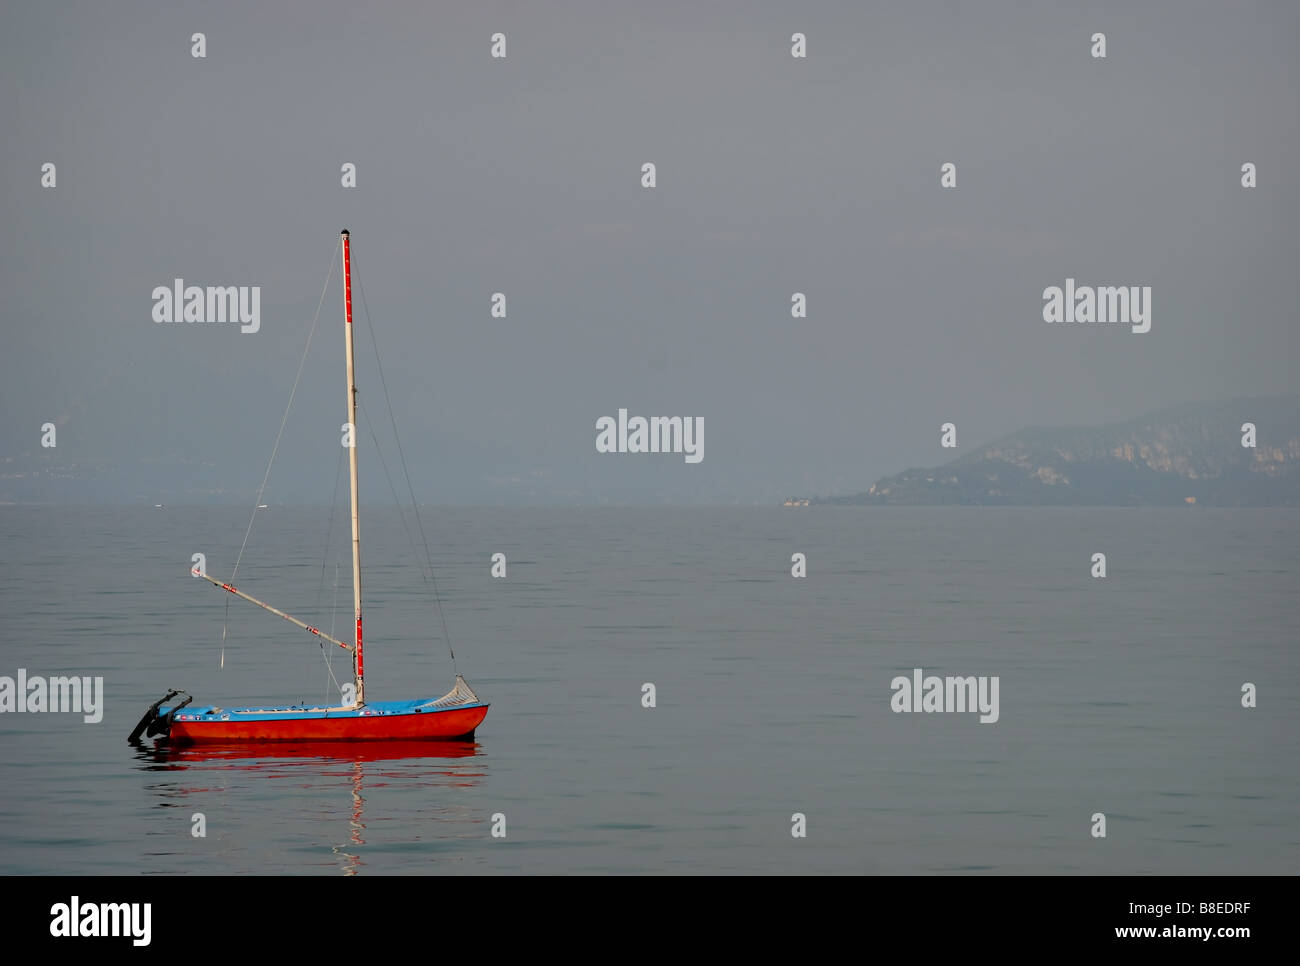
(1119, 696)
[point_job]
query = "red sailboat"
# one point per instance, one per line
(455, 714)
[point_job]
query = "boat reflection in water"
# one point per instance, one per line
(201, 776)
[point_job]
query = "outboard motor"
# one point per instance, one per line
(150, 722)
(162, 724)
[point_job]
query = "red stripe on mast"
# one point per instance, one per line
(347, 279)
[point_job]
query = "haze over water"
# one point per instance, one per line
(1119, 695)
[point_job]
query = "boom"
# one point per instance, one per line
(277, 612)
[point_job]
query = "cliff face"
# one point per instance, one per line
(1188, 454)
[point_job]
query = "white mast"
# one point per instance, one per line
(358, 666)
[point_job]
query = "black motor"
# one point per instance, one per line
(155, 724)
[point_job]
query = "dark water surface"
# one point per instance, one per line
(1119, 696)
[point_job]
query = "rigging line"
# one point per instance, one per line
(370, 326)
(401, 516)
(284, 419)
(334, 611)
(325, 556)
(397, 502)
(329, 532)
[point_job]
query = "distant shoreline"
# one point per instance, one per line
(1240, 453)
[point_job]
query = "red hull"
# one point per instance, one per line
(452, 723)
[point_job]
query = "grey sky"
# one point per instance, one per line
(775, 175)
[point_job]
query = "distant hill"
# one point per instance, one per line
(1177, 456)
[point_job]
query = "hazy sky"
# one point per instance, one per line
(775, 175)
